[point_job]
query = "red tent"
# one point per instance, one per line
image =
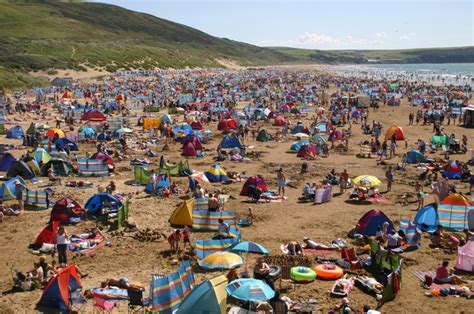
(371, 220)
(191, 138)
(189, 150)
(101, 156)
(196, 125)
(64, 209)
(94, 115)
(280, 121)
(48, 234)
(307, 151)
(255, 181)
(227, 124)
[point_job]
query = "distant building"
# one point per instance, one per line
(62, 82)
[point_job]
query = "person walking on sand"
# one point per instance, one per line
(343, 179)
(62, 241)
(19, 188)
(389, 176)
(281, 182)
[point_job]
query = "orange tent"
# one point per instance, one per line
(456, 200)
(67, 94)
(397, 131)
(51, 132)
(120, 97)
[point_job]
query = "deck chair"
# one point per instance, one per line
(77, 301)
(136, 301)
(350, 256)
(285, 274)
(102, 305)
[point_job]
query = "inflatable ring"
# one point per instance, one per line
(328, 271)
(275, 272)
(302, 274)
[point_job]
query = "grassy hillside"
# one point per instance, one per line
(432, 55)
(47, 34)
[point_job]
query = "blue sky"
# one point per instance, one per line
(323, 24)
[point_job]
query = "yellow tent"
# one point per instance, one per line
(183, 214)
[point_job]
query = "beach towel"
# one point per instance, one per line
(318, 251)
(111, 293)
(420, 274)
(84, 245)
(378, 200)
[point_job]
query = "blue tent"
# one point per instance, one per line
(209, 298)
(6, 159)
(20, 168)
(63, 142)
(7, 188)
(371, 220)
(104, 137)
(57, 293)
(102, 200)
(299, 128)
(88, 132)
(415, 156)
(185, 129)
(161, 182)
(427, 219)
(297, 145)
(230, 141)
(16, 132)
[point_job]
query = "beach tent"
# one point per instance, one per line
(162, 181)
(439, 140)
(102, 200)
(87, 132)
(104, 137)
(300, 128)
(215, 173)
(297, 145)
(64, 143)
(318, 137)
(468, 117)
(195, 125)
(141, 174)
(397, 131)
(183, 214)
(456, 200)
(166, 119)
(209, 297)
(255, 181)
(263, 136)
(7, 188)
(427, 219)
(94, 115)
(227, 124)
(58, 291)
(189, 150)
(415, 156)
(16, 132)
(465, 260)
(323, 127)
(65, 209)
(453, 171)
(60, 167)
(20, 168)
(55, 131)
(369, 222)
(175, 170)
(6, 160)
(183, 129)
(48, 234)
(230, 141)
(280, 121)
(33, 165)
(307, 151)
(41, 156)
(193, 139)
(104, 157)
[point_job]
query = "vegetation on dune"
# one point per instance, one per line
(55, 34)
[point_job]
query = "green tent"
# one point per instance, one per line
(439, 140)
(263, 136)
(142, 175)
(175, 170)
(122, 215)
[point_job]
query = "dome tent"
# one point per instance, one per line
(255, 181)
(371, 220)
(397, 131)
(16, 132)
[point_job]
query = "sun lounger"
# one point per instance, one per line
(349, 285)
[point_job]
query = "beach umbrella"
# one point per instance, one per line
(123, 130)
(221, 260)
(249, 247)
(250, 289)
(366, 181)
(200, 176)
(301, 135)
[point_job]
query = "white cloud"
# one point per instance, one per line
(408, 36)
(310, 40)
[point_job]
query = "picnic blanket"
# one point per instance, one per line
(378, 200)
(420, 274)
(318, 251)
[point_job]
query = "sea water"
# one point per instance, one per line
(434, 73)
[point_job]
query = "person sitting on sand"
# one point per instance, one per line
(443, 275)
(111, 187)
(261, 271)
(438, 237)
(52, 177)
(310, 244)
(7, 211)
(294, 248)
(374, 285)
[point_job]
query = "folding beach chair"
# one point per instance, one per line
(350, 256)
